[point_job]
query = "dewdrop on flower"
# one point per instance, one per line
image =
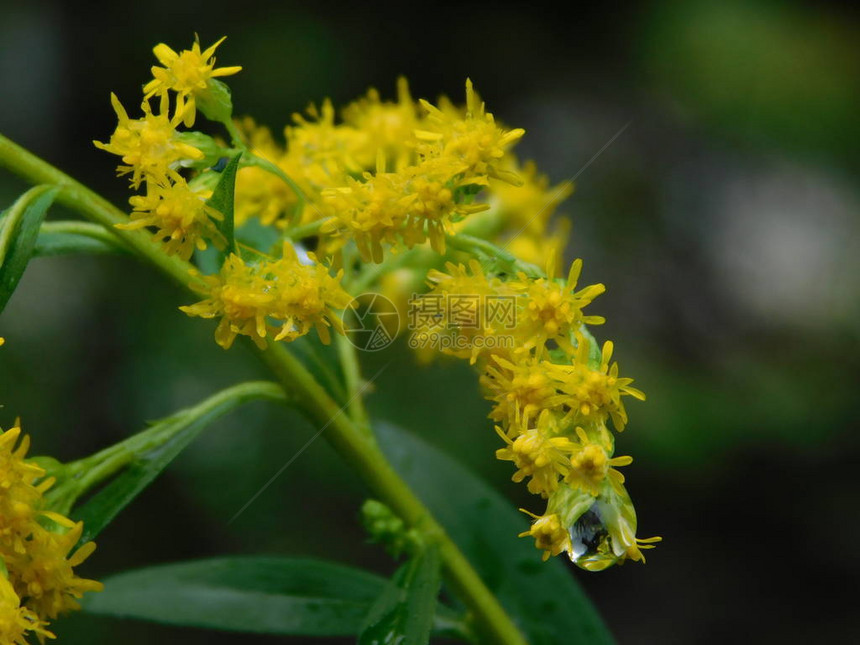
(601, 529)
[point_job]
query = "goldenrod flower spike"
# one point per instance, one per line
(187, 73)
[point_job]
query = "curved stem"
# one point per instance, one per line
(92, 206)
(87, 230)
(305, 230)
(355, 445)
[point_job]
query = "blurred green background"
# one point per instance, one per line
(724, 221)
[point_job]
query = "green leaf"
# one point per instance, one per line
(271, 595)
(18, 234)
(403, 612)
(245, 594)
(97, 512)
(72, 237)
(542, 597)
(52, 244)
(223, 201)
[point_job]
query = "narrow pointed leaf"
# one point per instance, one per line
(223, 200)
(52, 244)
(403, 612)
(73, 237)
(269, 595)
(18, 234)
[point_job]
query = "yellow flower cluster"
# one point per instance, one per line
(554, 396)
(37, 549)
(391, 174)
(284, 297)
(153, 150)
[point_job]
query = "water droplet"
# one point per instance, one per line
(590, 541)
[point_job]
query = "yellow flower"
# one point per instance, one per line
(17, 621)
(181, 216)
(591, 465)
(389, 126)
(593, 395)
(299, 297)
(372, 211)
(535, 249)
(188, 73)
(327, 150)
(464, 292)
(150, 146)
(260, 193)
(39, 560)
(551, 310)
(474, 142)
(45, 573)
(19, 496)
(537, 454)
(549, 534)
(527, 208)
(520, 389)
(397, 208)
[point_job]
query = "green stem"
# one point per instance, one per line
(92, 206)
(352, 375)
(84, 229)
(235, 134)
(356, 446)
(268, 166)
(478, 246)
(305, 230)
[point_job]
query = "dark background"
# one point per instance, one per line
(723, 220)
